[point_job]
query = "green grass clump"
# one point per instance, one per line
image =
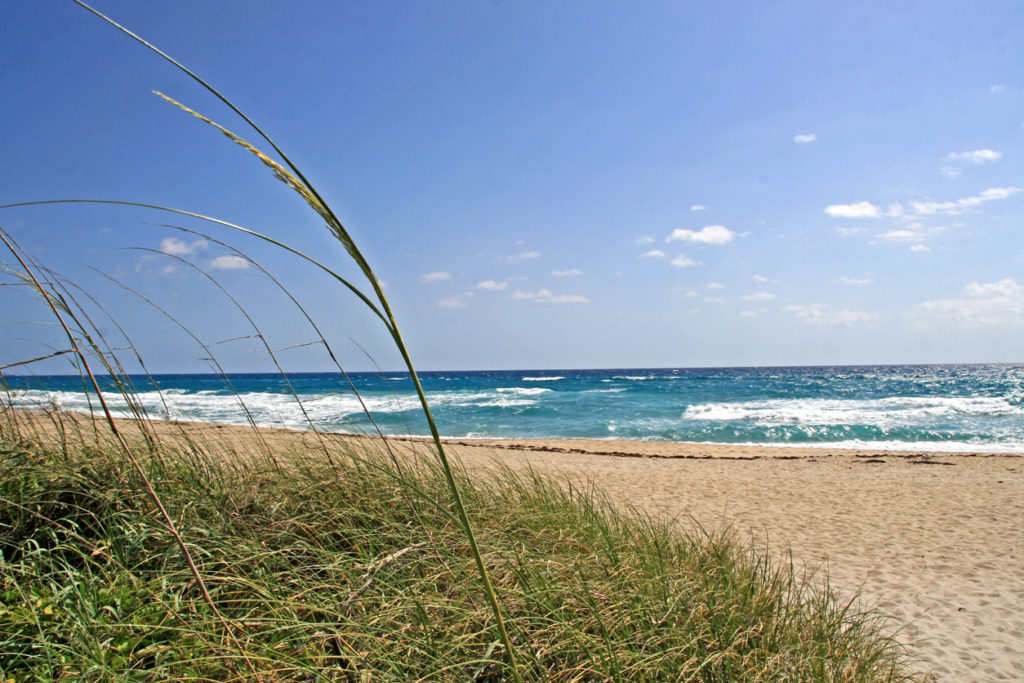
(357, 571)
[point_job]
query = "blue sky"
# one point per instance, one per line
(540, 185)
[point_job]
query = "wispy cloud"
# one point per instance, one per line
(715, 285)
(804, 138)
(646, 239)
(858, 210)
(522, 256)
(964, 205)
(920, 247)
(546, 296)
(759, 278)
(177, 247)
(698, 207)
(457, 301)
(951, 171)
(855, 280)
(492, 286)
(915, 232)
(683, 261)
(982, 303)
(978, 156)
(997, 89)
(567, 273)
(229, 262)
(710, 234)
(825, 316)
(653, 253)
(436, 276)
(759, 296)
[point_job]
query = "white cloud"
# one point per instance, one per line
(545, 296)
(653, 253)
(820, 314)
(915, 232)
(759, 278)
(920, 247)
(692, 294)
(682, 261)
(698, 207)
(716, 300)
(522, 256)
(1004, 287)
(858, 210)
(997, 89)
(177, 247)
(951, 171)
(855, 281)
(715, 285)
(900, 235)
(759, 296)
(849, 232)
(710, 234)
(978, 156)
(966, 204)
(568, 299)
(646, 239)
(988, 303)
(567, 273)
(229, 262)
(436, 276)
(748, 314)
(457, 301)
(492, 286)
(805, 138)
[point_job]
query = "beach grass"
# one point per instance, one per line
(127, 555)
(351, 570)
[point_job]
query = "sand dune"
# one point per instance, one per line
(935, 541)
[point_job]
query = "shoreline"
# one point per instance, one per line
(931, 539)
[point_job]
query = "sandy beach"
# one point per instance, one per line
(933, 540)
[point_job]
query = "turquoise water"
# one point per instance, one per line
(935, 407)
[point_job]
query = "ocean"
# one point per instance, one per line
(956, 408)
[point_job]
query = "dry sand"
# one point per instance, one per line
(936, 541)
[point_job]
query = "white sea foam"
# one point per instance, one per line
(633, 378)
(267, 409)
(523, 391)
(896, 410)
(616, 390)
(541, 379)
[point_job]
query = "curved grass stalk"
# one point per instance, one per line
(62, 310)
(210, 357)
(114, 367)
(258, 335)
(321, 339)
(290, 174)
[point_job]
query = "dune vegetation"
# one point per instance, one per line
(130, 553)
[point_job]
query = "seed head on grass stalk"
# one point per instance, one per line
(290, 174)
